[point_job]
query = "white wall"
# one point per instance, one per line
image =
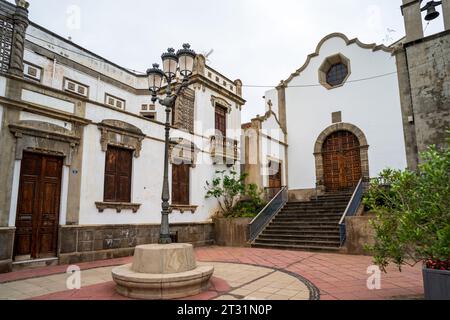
(373, 106)
(147, 169)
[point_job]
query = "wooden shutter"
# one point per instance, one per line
(221, 120)
(118, 169)
(180, 184)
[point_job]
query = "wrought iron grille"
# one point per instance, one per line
(6, 37)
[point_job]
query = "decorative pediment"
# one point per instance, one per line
(183, 151)
(121, 134)
(44, 137)
(221, 102)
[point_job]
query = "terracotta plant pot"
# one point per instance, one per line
(436, 284)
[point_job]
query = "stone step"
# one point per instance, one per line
(319, 229)
(309, 214)
(313, 210)
(316, 205)
(334, 218)
(300, 232)
(303, 224)
(34, 263)
(296, 247)
(318, 243)
(295, 237)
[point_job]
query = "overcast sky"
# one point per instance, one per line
(258, 41)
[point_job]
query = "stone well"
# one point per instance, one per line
(162, 272)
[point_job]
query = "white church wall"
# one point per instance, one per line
(372, 105)
(272, 150)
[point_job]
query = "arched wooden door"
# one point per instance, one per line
(341, 161)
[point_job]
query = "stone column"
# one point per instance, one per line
(238, 84)
(413, 19)
(21, 23)
(446, 13)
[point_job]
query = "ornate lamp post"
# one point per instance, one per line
(182, 62)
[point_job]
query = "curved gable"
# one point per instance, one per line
(374, 47)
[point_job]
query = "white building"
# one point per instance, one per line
(82, 150)
(342, 116)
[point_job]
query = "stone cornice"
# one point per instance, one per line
(200, 79)
(373, 47)
(44, 111)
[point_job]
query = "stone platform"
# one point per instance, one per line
(162, 272)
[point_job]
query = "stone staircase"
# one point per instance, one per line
(311, 226)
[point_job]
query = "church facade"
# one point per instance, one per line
(354, 109)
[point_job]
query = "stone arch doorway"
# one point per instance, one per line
(341, 153)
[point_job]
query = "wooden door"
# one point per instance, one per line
(221, 121)
(341, 161)
(38, 206)
(180, 184)
(275, 175)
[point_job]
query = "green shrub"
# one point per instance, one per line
(235, 198)
(412, 221)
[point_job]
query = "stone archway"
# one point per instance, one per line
(319, 155)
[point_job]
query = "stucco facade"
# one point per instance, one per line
(56, 102)
(371, 107)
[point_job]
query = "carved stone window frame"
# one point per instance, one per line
(326, 66)
(183, 144)
(364, 148)
(218, 101)
(121, 134)
(45, 138)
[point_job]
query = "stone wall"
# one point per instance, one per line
(359, 234)
(232, 232)
(6, 249)
(429, 75)
(90, 243)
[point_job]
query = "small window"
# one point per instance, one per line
(180, 184)
(75, 87)
(32, 72)
(337, 74)
(118, 169)
(114, 102)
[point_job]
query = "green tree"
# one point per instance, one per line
(229, 190)
(412, 222)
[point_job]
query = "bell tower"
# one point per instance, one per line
(412, 14)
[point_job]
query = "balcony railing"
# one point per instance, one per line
(224, 150)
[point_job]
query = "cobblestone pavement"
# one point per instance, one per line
(240, 273)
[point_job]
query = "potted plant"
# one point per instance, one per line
(412, 223)
(239, 203)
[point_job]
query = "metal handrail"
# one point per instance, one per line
(350, 202)
(267, 213)
(351, 209)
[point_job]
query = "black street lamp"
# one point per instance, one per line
(182, 62)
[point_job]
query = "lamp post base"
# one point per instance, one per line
(165, 239)
(162, 272)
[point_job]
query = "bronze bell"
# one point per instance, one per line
(430, 7)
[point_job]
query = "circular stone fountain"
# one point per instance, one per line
(162, 272)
